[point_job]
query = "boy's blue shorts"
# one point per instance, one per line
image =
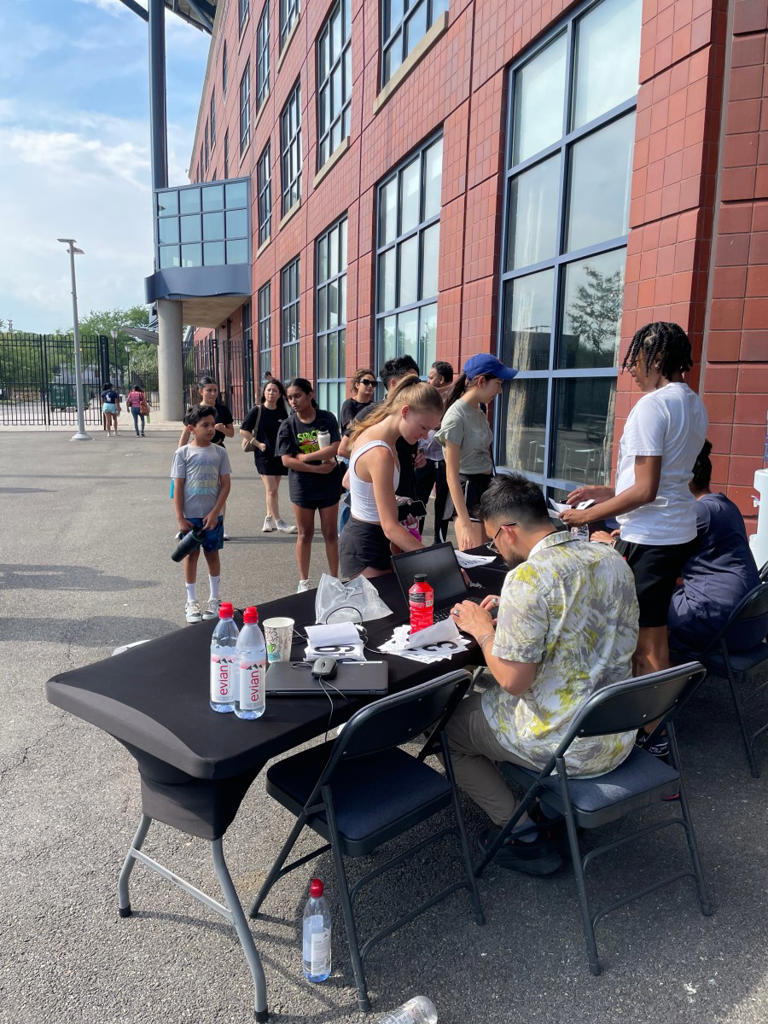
(213, 540)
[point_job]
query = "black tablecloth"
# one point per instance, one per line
(195, 765)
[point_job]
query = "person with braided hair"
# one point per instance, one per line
(655, 509)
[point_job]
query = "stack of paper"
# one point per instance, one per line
(337, 640)
(437, 643)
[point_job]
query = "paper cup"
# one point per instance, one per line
(278, 634)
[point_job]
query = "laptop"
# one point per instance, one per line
(352, 679)
(443, 573)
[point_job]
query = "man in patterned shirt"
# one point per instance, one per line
(566, 625)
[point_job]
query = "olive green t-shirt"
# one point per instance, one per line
(466, 426)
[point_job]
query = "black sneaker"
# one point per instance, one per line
(659, 747)
(540, 857)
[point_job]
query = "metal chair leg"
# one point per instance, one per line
(748, 746)
(578, 872)
(243, 931)
(274, 871)
(123, 897)
(466, 855)
(704, 903)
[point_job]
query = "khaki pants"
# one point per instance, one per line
(474, 751)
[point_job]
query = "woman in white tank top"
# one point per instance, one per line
(373, 532)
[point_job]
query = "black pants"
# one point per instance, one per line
(433, 474)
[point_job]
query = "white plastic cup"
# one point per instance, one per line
(278, 633)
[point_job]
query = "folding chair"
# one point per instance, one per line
(740, 667)
(763, 573)
(360, 790)
(641, 780)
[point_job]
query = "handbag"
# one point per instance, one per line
(143, 408)
(248, 444)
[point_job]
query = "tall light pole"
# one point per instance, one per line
(81, 434)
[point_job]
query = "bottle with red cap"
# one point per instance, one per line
(251, 666)
(421, 603)
(316, 934)
(224, 660)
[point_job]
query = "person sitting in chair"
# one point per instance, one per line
(566, 625)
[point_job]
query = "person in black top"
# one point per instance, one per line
(363, 390)
(209, 395)
(314, 480)
(110, 407)
(260, 428)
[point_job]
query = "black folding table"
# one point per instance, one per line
(196, 766)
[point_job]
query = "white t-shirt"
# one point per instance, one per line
(670, 422)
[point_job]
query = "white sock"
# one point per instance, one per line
(214, 584)
(191, 591)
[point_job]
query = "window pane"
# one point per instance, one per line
(333, 252)
(591, 318)
(167, 203)
(190, 229)
(169, 256)
(213, 254)
(344, 245)
(237, 223)
(237, 194)
(168, 230)
(583, 438)
(539, 98)
(433, 179)
(333, 306)
(408, 333)
(416, 27)
(532, 212)
(408, 258)
(393, 57)
(322, 310)
(600, 179)
(189, 200)
(427, 335)
(213, 197)
(191, 255)
(394, 15)
(322, 358)
(430, 242)
(528, 321)
(322, 259)
(386, 340)
(342, 283)
(409, 200)
(602, 80)
(388, 212)
(387, 280)
(237, 251)
(213, 225)
(525, 418)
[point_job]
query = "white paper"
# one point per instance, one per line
(446, 629)
(560, 507)
(439, 650)
(467, 561)
(332, 634)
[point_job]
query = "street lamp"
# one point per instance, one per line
(81, 434)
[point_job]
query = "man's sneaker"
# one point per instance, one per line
(284, 527)
(269, 525)
(192, 611)
(659, 747)
(303, 585)
(541, 857)
(212, 609)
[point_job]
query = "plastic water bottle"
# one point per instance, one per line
(418, 1010)
(421, 603)
(251, 667)
(224, 660)
(580, 532)
(316, 934)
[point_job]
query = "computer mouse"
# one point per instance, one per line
(324, 668)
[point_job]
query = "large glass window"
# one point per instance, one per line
(289, 12)
(213, 120)
(334, 80)
(265, 330)
(289, 319)
(569, 166)
(245, 108)
(243, 7)
(203, 226)
(403, 24)
(264, 182)
(262, 56)
(408, 244)
(290, 149)
(331, 315)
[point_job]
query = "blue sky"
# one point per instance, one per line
(74, 152)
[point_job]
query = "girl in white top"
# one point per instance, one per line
(373, 533)
(656, 511)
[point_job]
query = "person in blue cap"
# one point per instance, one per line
(466, 436)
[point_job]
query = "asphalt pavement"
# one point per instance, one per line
(85, 566)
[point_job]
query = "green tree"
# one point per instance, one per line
(595, 314)
(143, 354)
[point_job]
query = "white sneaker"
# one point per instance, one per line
(303, 585)
(225, 536)
(269, 525)
(284, 527)
(212, 609)
(192, 611)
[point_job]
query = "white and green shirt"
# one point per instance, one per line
(570, 608)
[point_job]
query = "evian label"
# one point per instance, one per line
(251, 684)
(223, 668)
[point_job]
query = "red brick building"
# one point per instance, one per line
(534, 178)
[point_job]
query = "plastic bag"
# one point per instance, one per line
(355, 601)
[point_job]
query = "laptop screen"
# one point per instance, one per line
(442, 570)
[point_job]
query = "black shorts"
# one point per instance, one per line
(656, 568)
(314, 505)
(269, 465)
(362, 546)
(474, 486)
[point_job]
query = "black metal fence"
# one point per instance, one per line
(37, 378)
(229, 361)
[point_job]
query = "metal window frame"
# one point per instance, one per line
(290, 149)
(262, 56)
(408, 14)
(199, 215)
(264, 314)
(325, 336)
(558, 264)
(289, 12)
(290, 313)
(325, 132)
(245, 107)
(396, 173)
(264, 190)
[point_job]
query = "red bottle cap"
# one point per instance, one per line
(315, 888)
(226, 611)
(250, 615)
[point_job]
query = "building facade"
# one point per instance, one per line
(536, 179)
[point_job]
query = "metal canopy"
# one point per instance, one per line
(199, 13)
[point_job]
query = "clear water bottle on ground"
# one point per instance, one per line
(418, 1010)
(316, 934)
(224, 660)
(251, 667)
(421, 603)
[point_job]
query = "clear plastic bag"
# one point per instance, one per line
(354, 601)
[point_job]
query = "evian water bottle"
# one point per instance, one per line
(316, 934)
(224, 660)
(418, 1010)
(251, 667)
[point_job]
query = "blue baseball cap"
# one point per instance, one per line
(486, 365)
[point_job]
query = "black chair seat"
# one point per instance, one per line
(640, 780)
(373, 796)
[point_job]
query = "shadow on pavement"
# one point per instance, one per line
(65, 577)
(96, 631)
